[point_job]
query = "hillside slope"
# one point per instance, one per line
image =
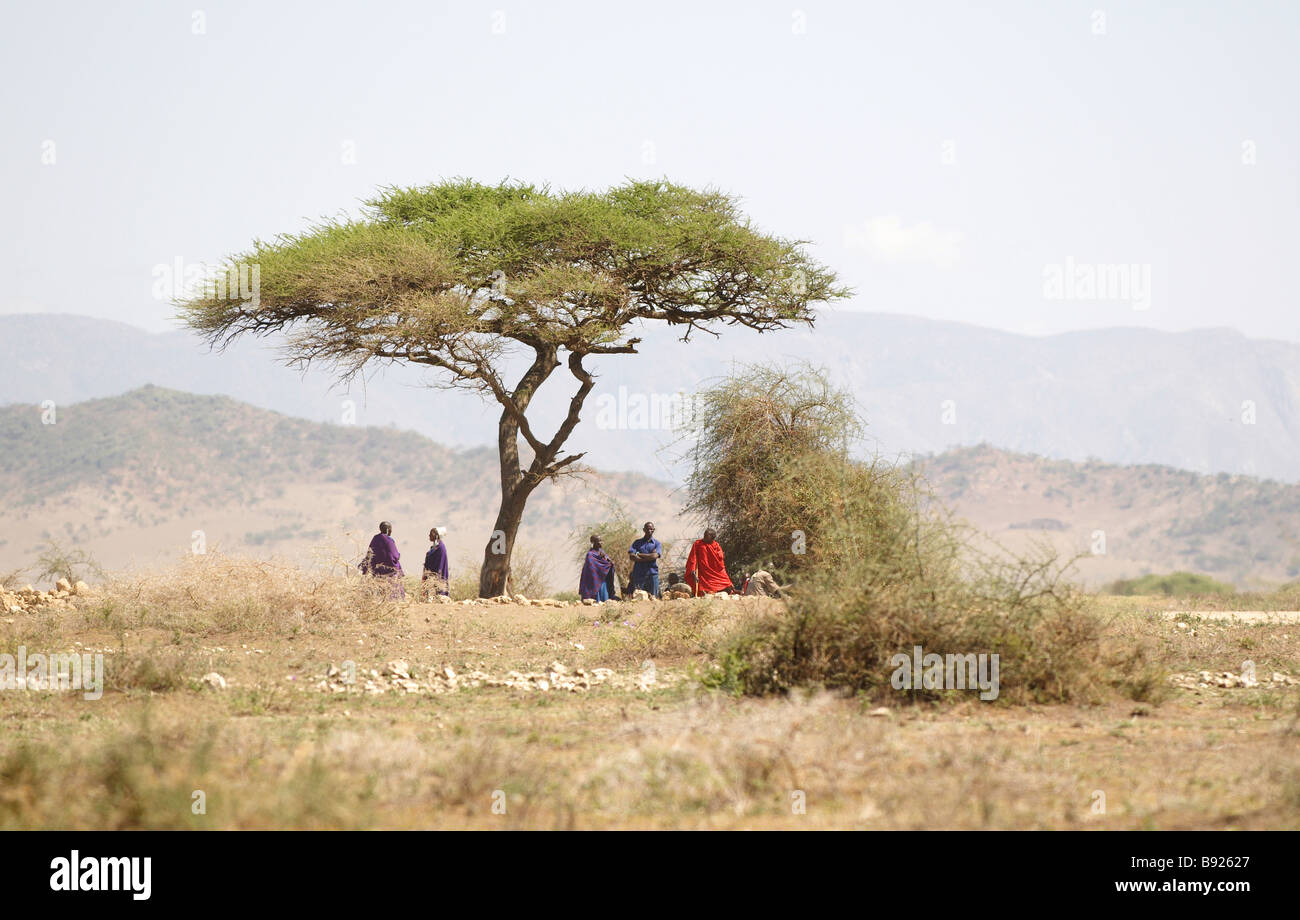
(131, 478)
(1129, 520)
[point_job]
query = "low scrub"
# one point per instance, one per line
(1035, 638)
(214, 593)
(1175, 584)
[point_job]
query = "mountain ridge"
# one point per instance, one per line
(1209, 400)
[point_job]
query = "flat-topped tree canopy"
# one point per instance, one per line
(459, 275)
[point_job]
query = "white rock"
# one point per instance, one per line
(214, 681)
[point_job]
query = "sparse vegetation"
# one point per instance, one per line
(1175, 584)
(212, 594)
(57, 561)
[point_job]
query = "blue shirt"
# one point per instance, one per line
(646, 545)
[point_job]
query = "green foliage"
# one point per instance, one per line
(448, 274)
(1175, 584)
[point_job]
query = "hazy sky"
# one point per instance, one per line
(950, 160)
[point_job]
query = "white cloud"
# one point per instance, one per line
(887, 240)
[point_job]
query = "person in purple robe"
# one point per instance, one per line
(383, 560)
(597, 580)
(435, 562)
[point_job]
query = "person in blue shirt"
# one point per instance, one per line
(645, 553)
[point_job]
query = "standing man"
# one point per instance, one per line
(597, 580)
(645, 553)
(435, 561)
(383, 560)
(706, 569)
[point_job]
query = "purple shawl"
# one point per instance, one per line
(435, 563)
(382, 557)
(597, 572)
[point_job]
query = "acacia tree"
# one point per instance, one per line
(461, 277)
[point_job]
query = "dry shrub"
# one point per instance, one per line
(215, 593)
(768, 458)
(843, 628)
(672, 630)
(528, 576)
(883, 569)
(155, 670)
(528, 573)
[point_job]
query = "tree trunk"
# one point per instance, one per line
(494, 576)
(516, 484)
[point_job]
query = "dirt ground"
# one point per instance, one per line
(640, 745)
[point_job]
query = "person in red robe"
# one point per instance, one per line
(706, 569)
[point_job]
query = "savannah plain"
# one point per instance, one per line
(649, 743)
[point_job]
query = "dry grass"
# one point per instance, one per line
(213, 593)
(270, 751)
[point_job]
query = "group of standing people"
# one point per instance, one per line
(382, 560)
(706, 569)
(706, 566)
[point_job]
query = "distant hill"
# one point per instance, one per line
(1143, 519)
(130, 478)
(1209, 401)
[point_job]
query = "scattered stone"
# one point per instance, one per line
(214, 681)
(640, 594)
(398, 668)
(588, 601)
(398, 677)
(1197, 680)
(881, 712)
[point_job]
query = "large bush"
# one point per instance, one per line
(885, 570)
(768, 456)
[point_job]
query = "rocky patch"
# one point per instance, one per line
(1199, 680)
(30, 600)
